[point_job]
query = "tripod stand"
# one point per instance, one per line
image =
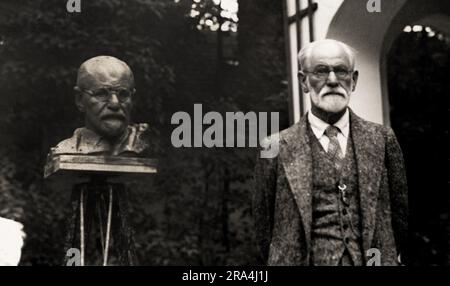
(100, 208)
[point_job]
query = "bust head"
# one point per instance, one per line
(104, 91)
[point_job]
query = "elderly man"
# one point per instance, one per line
(336, 193)
(104, 93)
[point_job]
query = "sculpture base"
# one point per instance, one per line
(99, 204)
(64, 171)
(112, 165)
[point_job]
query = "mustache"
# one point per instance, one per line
(334, 92)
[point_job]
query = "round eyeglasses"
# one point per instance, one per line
(104, 94)
(323, 72)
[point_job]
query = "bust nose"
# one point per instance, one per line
(113, 102)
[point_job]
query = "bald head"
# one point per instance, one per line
(104, 91)
(305, 54)
(104, 69)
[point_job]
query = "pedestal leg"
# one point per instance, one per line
(104, 206)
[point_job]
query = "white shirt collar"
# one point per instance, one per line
(318, 126)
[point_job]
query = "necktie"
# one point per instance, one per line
(336, 156)
(334, 149)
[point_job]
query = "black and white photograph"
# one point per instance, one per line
(236, 133)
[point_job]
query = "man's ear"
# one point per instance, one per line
(79, 99)
(355, 79)
(302, 80)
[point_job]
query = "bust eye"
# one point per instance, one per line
(124, 93)
(101, 93)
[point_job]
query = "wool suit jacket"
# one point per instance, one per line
(282, 201)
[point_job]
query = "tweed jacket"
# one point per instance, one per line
(282, 201)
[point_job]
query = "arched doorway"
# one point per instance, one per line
(417, 66)
(372, 35)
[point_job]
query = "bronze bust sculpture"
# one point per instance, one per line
(104, 93)
(101, 158)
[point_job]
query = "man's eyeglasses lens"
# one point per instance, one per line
(324, 72)
(104, 94)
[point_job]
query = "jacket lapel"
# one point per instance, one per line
(369, 152)
(297, 162)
